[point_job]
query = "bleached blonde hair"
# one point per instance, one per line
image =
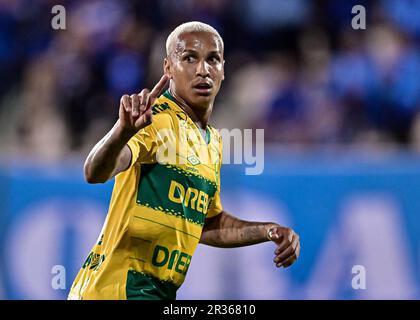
(192, 26)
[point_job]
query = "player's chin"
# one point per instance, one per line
(202, 98)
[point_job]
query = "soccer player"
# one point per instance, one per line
(161, 210)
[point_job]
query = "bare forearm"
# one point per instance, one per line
(111, 155)
(104, 158)
(226, 231)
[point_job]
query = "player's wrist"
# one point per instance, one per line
(269, 231)
(124, 134)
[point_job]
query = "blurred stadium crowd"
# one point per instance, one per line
(295, 68)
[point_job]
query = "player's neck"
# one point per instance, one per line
(199, 115)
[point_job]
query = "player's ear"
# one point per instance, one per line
(167, 67)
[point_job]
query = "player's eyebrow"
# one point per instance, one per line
(215, 52)
(189, 51)
(195, 51)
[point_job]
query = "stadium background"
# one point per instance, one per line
(340, 109)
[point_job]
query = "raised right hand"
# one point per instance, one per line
(135, 111)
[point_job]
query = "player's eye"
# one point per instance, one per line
(189, 58)
(214, 59)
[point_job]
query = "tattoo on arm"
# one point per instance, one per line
(227, 231)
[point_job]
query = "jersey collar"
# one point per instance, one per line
(169, 96)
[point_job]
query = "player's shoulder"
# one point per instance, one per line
(161, 106)
(163, 113)
(166, 112)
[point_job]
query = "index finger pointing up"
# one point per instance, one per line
(158, 87)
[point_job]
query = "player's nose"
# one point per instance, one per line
(203, 69)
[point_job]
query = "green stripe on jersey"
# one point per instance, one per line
(174, 191)
(146, 287)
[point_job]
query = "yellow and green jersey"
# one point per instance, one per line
(157, 210)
